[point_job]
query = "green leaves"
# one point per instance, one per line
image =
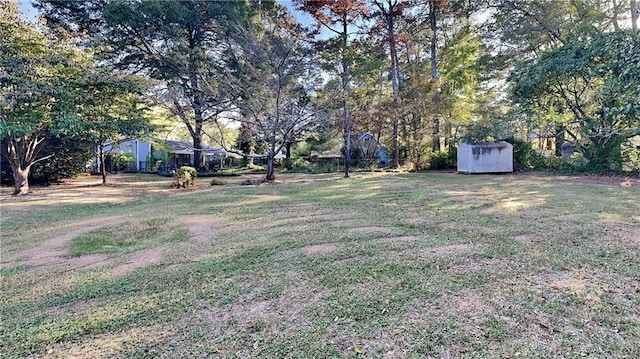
(595, 80)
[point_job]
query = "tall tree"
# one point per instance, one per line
(39, 75)
(337, 16)
(272, 82)
(596, 80)
(390, 11)
(524, 31)
(635, 14)
(177, 42)
(434, 8)
(112, 108)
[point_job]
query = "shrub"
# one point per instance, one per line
(443, 160)
(122, 161)
(184, 177)
(525, 157)
(296, 165)
(217, 182)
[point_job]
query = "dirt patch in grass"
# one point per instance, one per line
(526, 238)
(583, 285)
(610, 181)
(470, 302)
(139, 259)
(398, 239)
(319, 249)
(451, 249)
(111, 345)
(468, 228)
(200, 226)
(460, 198)
(574, 285)
(634, 235)
(623, 230)
(51, 252)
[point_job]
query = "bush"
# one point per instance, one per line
(296, 165)
(184, 177)
(524, 156)
(121, 161)
(443, 160)
(217, 182)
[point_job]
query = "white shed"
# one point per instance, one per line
(485, 157)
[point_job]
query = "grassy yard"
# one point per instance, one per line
(382, 265)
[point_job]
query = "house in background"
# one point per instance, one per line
(372, 149)
(158, 155)
(364, 147)
(178, 154)
(140, 152)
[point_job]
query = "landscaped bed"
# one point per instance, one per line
(379, 265)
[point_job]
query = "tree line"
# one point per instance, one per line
(423, 75)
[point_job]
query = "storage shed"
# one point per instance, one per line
(485, 157)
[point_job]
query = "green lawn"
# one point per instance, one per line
(381, 265)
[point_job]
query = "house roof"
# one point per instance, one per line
(186, 148)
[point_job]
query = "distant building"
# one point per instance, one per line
(485, 157)
(372, 149)
(160, 155)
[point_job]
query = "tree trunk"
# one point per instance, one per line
(288, 150)
(447, 136)
(103, 167)
(559, 139)
(21, 178)
(197, 151)
(394, 85)
(270, 177)
(635, 13)
(434, 39)
(435, 140)
(614, 16)
(250, 158)
(198, 105)
(346, 131)
(435, 143)
(22, 153)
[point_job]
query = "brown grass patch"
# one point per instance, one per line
(583, 285)
(526, 238)
(109, 345)
(139, 259)
(319, 249)
(626, 232)
(51, 252)
(470, 303)
(398, 239)
(451, 249)
(200, 226)
(468, 228)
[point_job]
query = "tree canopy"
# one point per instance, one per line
(420, 76)
(38, 78)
